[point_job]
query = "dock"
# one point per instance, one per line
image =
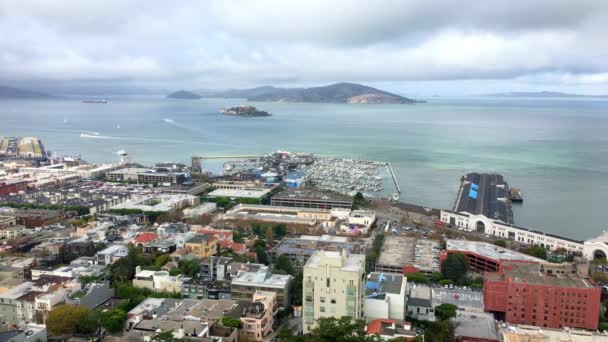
(390, 169)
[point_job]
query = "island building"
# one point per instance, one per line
(246, 283)
(148, 176)
(485, 257)
(405, 254)
(545, 295)
(309, 198)
(333, 286)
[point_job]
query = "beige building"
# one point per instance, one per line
(334, 286)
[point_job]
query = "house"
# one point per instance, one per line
(259, 318)
(202, 246)
(160, 246)
(385, 296)
(420, 303)
(111, 254)
(389, 329)
(158, 281)
(144, 238)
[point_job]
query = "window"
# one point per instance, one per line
(322, 309)
(328, 281)
(322, 299)
(333, 300)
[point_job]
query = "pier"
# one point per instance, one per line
(390, 169)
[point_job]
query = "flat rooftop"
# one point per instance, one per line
(378, 284)
(351, 262)
(311, 194)
(463, 299)
(531, 274)
(399, 251)
(307, 244)
(476, 325)
(485, 194)
(239, 193)
(489, 251)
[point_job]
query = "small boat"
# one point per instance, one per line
(89, 135)
(117, 125)
(95, 101)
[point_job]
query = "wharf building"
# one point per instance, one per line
(333, 286)
(545, 295)
(309, 198)
(483, 205)
(148, 176)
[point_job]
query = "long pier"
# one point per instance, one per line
(390, 168)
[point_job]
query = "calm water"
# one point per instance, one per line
(556, 150)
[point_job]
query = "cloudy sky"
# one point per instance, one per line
(419, 48)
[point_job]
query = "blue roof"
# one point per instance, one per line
(474, 186)
(473, 194)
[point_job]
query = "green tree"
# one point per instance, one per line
(445, 311)
(261, 255)
(296, 289)
(63, 319)
(161, 260)
(436, 277)
(88, 324)
(279, 230)
(284, 263)
(444, 282)
(442, 331)
(536, 251)
(257, 229)
(501, 243)
(237, 235)
(455, 267)
(340, 330)
(164, 336)
(190, 268)
(231, 322)
(417, 277)
(113, 320)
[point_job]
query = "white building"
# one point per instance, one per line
(204, 208)
(359, 221)
(333, 286)
(159, 281)
(246, 283)
(420, 303)
(385, 296)
(162, 202)
(506, 231)
(111, 254)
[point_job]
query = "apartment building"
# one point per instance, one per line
(334, 286)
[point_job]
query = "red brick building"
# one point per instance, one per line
(11, 187)
(545, 295)
(485, 257)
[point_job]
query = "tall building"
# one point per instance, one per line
(545, 295)
(334, 286)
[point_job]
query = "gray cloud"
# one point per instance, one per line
(234, 43)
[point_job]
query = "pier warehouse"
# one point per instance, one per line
(307, 198)
(484, 194)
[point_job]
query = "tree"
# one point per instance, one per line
(455, 267)
(257, 229)
(279, 230)
(113, 320)
(284, 263)
(444, 282)
(261, 255)
(165, 336)
(445, 311)
(536, 251)
(442, 331)
(231, 322)
(63, 319)
(88, 324)
(269, 235)
(296, 289)
(436, 277)
(340, 329)
(417, 277)
(190, 268)
(161, 260)
(501, 243)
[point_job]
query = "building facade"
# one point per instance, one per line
(333, 286)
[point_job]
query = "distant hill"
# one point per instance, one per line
(335, 93)
(183, 94)
(16, 93)
(541, 94)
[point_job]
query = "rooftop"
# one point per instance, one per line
(488, 250)
(262, 276)
(399, 251)
(475, 325)
(485, 194)
(379, 284)
(532, 274)
(311, 194)
(349, 262)
(239, 193)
